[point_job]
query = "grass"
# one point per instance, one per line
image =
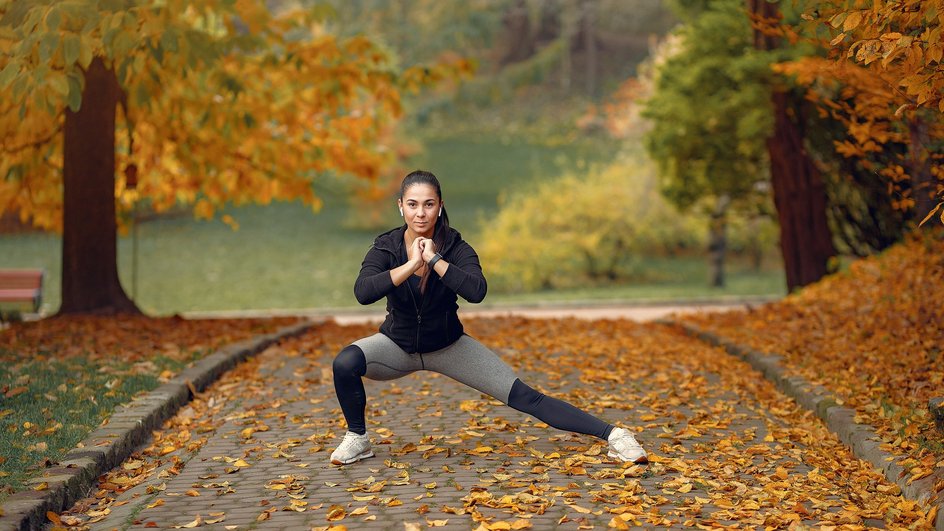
(285, 257)
(60, 378)
(56, 403)
(666, 279)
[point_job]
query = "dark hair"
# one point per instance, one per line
(442, 223)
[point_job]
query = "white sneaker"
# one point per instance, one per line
(623, 446)
(353, 448)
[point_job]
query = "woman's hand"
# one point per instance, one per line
(428, 247)
(415, 253)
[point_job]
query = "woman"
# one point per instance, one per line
(421, 268)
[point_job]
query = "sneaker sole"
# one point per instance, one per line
(356, 458)
(642, 460)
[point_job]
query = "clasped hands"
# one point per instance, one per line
(421, 251)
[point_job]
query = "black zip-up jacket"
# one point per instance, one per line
(415, 322)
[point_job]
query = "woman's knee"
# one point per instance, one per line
(350, 362)
(523, 398)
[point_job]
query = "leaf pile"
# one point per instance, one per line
(726, 447)
(873, 335)
(61, 377)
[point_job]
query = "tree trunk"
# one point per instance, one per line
(588, 18)
(800, 196)
(569, 16)
(799, 192)
(718, 243)
(517, 42)
(89, 241)
(919, 166)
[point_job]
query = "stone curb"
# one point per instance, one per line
(861, 438)
(129, 426)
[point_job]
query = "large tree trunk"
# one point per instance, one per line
(799, 192)
(800, 196)
(89, 247)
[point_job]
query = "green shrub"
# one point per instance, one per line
(584, 229)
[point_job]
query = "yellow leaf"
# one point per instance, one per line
(335, 513)
(852, 21)
(132, 465)
(358, 512)
(579, 509)
(203, 209)
(617, 522)
(157, 503)
(938, 206)
(195, 523)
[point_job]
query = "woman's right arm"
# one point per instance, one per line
(375, 281)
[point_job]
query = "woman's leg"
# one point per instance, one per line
(376, 357)
(349, 366)
(473, 364)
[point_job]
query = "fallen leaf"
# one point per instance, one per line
(335, 513)
(195, 523)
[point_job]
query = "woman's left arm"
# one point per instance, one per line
(463, 274)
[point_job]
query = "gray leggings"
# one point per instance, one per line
(466, 361)
(377, 357)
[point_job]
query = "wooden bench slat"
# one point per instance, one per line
(22, 286)
(13, 295)
(25, 279)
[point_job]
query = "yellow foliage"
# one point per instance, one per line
(216, 112)
(887, 85)
(579, 227)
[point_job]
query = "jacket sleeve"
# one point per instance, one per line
(373, 282)
(464, 275)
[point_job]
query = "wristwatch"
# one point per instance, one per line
(436, 257)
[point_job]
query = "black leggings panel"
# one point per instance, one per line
(555, 412)
(349, 366)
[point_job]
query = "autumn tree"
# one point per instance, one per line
(175, 102)
(710, 114)
(884, 80)
(798, 187)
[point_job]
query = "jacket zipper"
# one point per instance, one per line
(419, 317)
(418, 309)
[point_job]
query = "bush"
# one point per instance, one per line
(581, 229)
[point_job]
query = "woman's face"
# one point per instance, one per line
(420, 206)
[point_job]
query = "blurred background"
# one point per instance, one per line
(590, 150)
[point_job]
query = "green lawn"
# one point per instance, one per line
(285, 257)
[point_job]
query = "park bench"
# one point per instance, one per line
(21, 287)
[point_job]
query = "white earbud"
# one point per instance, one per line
(401, 212)
(440, 212)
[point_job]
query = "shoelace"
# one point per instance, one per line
(349, 438)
